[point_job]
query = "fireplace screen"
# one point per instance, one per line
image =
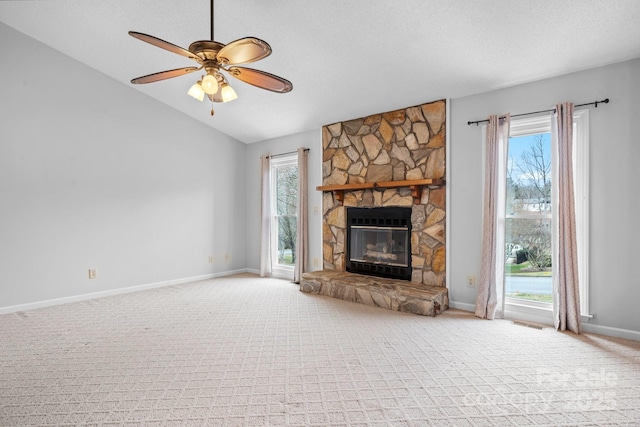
(379, 242)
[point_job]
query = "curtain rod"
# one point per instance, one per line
(604, 101)
(284, 154)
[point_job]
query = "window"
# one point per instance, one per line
(284, 202)
(528, 219)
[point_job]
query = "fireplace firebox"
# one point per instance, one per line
(379, 242)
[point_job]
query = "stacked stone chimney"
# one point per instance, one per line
(400, 145)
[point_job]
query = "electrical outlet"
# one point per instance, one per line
(226, 256)
(316, 262)
(316, 210)
(471, 281)
(93, 273)
(211, 259)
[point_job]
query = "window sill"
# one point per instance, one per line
(517, 302)
(282, 272)
(532, 311)
(528, 311)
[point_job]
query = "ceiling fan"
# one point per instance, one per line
(214, 57)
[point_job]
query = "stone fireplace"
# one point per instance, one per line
(384, 211)
(401, 145)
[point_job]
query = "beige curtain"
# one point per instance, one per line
(566, 294)
(490, 301)
(265, 212)
(302, 236)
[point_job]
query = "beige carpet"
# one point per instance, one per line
(244, 351)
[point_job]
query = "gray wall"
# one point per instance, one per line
(94, 174)
(311, 140)
(614, 156)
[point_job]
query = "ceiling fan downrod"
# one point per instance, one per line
(212, 39)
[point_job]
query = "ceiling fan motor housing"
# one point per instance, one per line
(206, 49)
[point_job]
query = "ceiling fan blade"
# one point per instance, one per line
(165, 45)
(244, 51)
(163, 75)
(261, 79)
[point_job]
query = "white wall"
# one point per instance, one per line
(614, 205)
(94, 174)
(311, 140)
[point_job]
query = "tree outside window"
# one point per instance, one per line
(528, 219)
(285, 174)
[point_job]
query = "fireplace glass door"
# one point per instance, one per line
(379, 241)
(380, 245)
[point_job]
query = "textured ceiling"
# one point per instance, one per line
(346, 59)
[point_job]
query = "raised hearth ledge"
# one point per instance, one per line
(398, 295)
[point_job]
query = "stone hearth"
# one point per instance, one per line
(398, 295)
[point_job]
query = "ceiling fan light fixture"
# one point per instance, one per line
(196, 91)
(227, 92)
(210, 84)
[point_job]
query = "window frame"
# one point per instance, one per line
(525, 127)
(279, 270)
(581, 193)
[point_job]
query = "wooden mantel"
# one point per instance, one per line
(415, 185)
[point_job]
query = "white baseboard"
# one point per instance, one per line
(232, 272)
(612, 332)
(102, 294)
(544, 319)
(508, 315)
(511, 312)
(462, 306)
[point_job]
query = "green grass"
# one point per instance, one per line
(517, 270)
(286, 260)
(532, 297)
(513, 269)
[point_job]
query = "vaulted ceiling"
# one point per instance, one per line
(345, 58)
